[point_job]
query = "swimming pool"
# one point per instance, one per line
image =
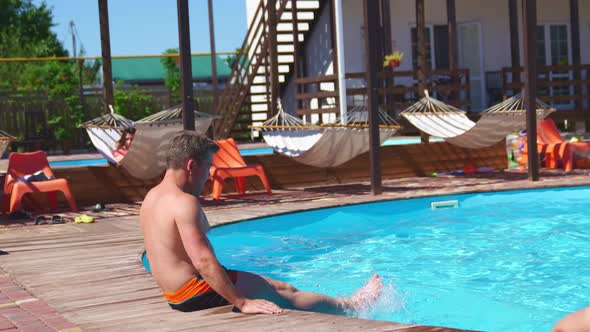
(79, 162)
(104, 162)
(243, 152)
(504, 261)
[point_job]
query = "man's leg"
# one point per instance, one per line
(578, 321)
(287, 296)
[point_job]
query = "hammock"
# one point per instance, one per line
(5, 140)
(105, 132)
(202, 120)
(445, 121)
(328, 145)
(146, 158)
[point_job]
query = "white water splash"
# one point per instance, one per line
(389, 302)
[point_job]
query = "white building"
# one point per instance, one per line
(484, 56)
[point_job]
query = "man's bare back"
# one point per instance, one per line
(169, 261)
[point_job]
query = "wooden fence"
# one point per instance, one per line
(31, 117)
(564, 87)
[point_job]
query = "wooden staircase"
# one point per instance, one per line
(246, 98)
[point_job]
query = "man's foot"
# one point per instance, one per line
(366, 296)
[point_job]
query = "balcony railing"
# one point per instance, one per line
(564, 87)
(398, 90)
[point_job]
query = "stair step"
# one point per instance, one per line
(287, 17)
(288, 26)
(314, 4)
(255, 104)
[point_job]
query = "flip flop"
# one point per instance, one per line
(20, 214)
(57, 219)
(41, 220)
(83, 219)
(99, 207)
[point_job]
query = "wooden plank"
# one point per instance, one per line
(111, 291)
(317, 79)
(318, 94)
(317, 111)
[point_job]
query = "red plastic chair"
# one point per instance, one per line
(557, 151)
(228, 163)
(21, 164)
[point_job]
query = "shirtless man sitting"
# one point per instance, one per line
(183, 262)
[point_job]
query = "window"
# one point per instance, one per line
(553, 49)
(559, 45)
(437, 47)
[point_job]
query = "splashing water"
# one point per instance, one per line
(389, 302)
(506, 261)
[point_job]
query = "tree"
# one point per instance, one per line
(25, 31)
(172, 78)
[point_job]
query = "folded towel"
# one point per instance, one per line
(35, 177)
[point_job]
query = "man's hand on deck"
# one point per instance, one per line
(259, 307)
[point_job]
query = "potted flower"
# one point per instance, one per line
(393, 60)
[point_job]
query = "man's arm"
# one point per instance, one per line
(201, 253)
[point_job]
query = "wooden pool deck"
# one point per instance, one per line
(92, 276)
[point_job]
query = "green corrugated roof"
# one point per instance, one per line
(139, 69)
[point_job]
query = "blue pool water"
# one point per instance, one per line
(505, 261)
(104, 162)
(243, 152)
(79, 163)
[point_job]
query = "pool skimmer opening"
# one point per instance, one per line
(445, 204)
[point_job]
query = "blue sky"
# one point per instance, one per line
(149, 26)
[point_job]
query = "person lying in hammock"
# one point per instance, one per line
(124, 143)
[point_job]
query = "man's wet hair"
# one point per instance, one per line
(189, 145)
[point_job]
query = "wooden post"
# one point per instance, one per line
(575, 32)
(105, 42)
(372, 64)
(421, 47)
(514, 42)
(452, 23)
(452, 27)
(186, 70)
(213, 58)
(387, 49)
(386, 22)
(575, 35)
(272, 53)
(529, 24)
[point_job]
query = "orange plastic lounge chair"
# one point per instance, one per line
(227, 162)
(22, 164)
(556, 149)
(524, 159)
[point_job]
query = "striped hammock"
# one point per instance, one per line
(5, 140)
(445, 121)
(146, 158)
(105, 131)
(327, 145)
